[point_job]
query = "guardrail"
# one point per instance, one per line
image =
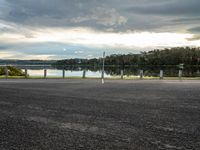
(62, 72)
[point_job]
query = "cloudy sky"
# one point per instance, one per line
(58, 29)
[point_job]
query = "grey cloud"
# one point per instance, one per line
(187, 20)
(195, 29)
(7, 47)
(175, 7)
(112, 15)
(164, 16)
(3, 47)
(17, 30)
(97, 14)
(196, 32)
(5, 30)
(102, 16)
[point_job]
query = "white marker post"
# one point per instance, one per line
(103, 67)
(161, 74)
(141, 74)
(122, 74)
(180, 73)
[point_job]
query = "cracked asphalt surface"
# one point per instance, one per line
(57, 114)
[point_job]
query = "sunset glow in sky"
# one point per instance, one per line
(59, 29)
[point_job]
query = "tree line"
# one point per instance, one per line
(169, 56)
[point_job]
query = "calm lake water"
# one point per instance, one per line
(59, 73)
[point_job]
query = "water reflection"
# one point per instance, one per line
(59, 73)
(111, 71)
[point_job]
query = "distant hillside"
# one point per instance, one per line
(174, 56)
(26, 62)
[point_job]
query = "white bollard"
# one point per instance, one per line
(161, 74)
(102, 81)
(180, 74)
(141, 74)
(122, 74)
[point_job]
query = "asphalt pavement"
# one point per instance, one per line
(83, 114)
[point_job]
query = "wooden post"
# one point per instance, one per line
(141, 74)
(161, 74)
(6, 72)
(122, 74)
(45, 73)
(180, 73)
(63, 73)
(84, 73)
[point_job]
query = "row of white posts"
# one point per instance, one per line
(180, 74)
(141, 74)
(45, 73)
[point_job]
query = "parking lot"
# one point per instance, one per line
(57, 114)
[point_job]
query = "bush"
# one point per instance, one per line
(2, 71)
(12, 71)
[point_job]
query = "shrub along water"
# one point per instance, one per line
(12, 71)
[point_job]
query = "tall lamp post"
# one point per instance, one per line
(103, 68)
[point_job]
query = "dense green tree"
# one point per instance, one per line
(173, 56)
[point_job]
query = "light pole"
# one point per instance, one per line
(103, 68)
